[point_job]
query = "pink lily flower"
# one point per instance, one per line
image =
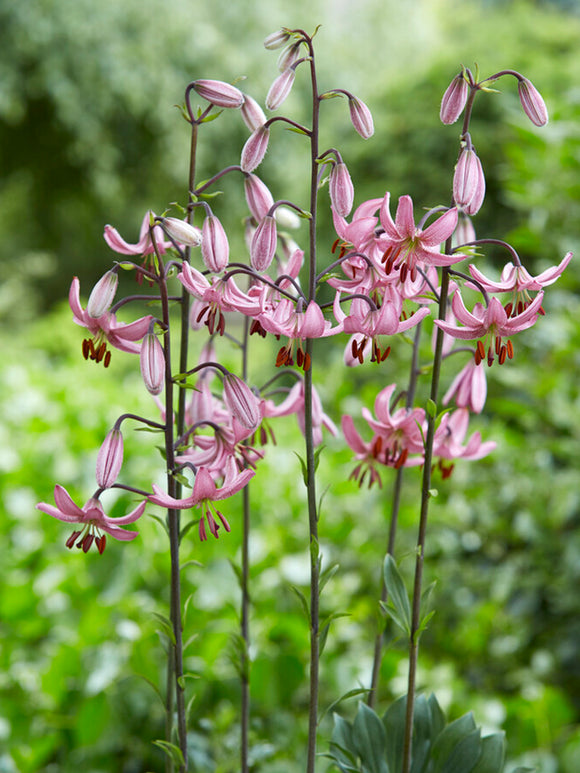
(450, 435)
(366, 454)
(105, 328)
(93, 520)
(294, 403)
(517, 279)
(400, 432)
(144, 246)
(205, 492)
(408, 245)
(469, 388)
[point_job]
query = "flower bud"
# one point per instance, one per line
(532, 102)
(276, 39)
(341, 190)
(215, 249)
(464, 231)
(252, 114)
(241, 401)
(287, 218)
(469, 182)
(288, 56)
(152, 364)
(102, 294)
(110, 459)
(258, 196)
(264, 243)
(219, 93)
(255, 149)
(454, 99)
(280, 89)
(361, 118)
(182, 232)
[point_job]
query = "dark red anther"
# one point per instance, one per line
(502, 354)
(403, 271)
(72, 539)
(307, 362)
(481, 350)
(86, 349)
(299, 357)
(107, 361)
(385, 354)
(222, 324)
(520, 307)
(477, 357)
(402, 458)
(490, 357)
(508, 309)
(541, 311)
(282, 357)
(497, 344)
(354, 349)
(87, 542)
(335, 244)
(101, 544)
(101, 352)
(510, 350)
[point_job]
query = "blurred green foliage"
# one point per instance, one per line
(89, 136)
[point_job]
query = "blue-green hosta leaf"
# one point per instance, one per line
(397, 593)
(369, 740)
(492, 754)
(448, 739)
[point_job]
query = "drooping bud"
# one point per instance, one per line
(241, 401)
(110, 459)
(255, 149)
(102, 294)
(182, 232)
(152, 364)
(264, 243)
(215, 249)
(454, 99)
(280, 89)
(532, 102)
(341, 190)
(252, 114)
(288, 56)
(287, 218)
(464, 231)
(219, 93)
(258, 196)
(469, 182)
(361, 118)
(276, 39)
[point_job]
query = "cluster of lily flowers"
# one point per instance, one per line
(385, 280)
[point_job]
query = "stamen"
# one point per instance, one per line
(107, 361)
(72, 539)
(481, 350)
(86, 348)
(510, 350)
(502, 354)
(497, 344)
(490, 357)
(101, 544)
(307, 362)
(335, 244)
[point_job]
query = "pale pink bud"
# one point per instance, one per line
(219, 93)
(152, 364)
(241, 401)
(280, 89)
(276, 39)
(341, 190)
(182, 232)
(264, 244)
(110, 459)
(532, 102)
(102, 294)
(252, 114)
(287, 218)
(215, 249)
(288, 56)
(255, 149)
(258, 196)
(454, 99)
(469, 182)
(464, 231)
(361, 118)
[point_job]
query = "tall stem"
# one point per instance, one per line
(245, 610)
(308, 432)
(425, 496)
(371, 698)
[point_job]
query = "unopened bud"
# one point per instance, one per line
(215, 249)
(532, 102)
(454, 99)
(255, 149)
(341, 190)
(469, 182)
(276, 39)
(464, 231)
(361, 118)
(258, 196)
(287, 218)
(241, 401)
(152, 364)
(219, 93)
(264, 243)
(102, 294)
(110, 459)
(280, 89)
(288, 56)
(182, 232)
(252, 114)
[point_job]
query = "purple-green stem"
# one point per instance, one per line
(425, 496)
(410, 396)
(308, 432)
(245, 605)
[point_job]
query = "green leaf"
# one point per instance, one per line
(449, 738)
(191, 639)
(189, 525)
(191, 562)
(304, 468)
(369, 738)
(350, 694)
(465, 755)
(153, 686)
(327, 575)
(172, 751)
(166, 626)
(424, 734)
(397, 592)
(238, 572)
(492, 754)
(395, 617)
(297, 130)
(325, 627)
(303, 601)
(431, 408)
(182, 679)
(423, 625)
(394, 724)
(342, 741)
(160, 521)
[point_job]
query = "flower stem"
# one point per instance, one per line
(245, 606)
(425, 496)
